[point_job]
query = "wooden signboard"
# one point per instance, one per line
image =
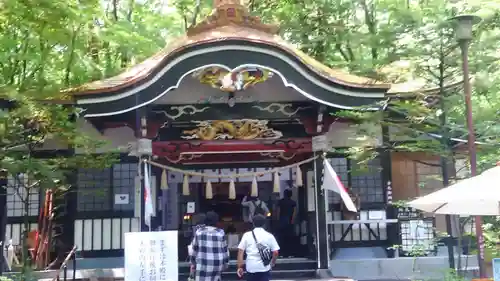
(151, 256)
(495, 264)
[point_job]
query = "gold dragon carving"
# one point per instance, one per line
(245, 129)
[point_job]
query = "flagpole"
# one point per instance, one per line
(150, 192)
(143, 203)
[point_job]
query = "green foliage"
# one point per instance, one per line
(453, 275)
(49, 45)
(400, 41)
(28, 125)
(46, 46)
(28, 275)
(492, 237)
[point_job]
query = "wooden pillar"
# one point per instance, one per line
(144, 227)
(393, 237)
(71, 207)
(302, 215)
(386, 163)
(321, 227)
(3, 215)
(71, 198)
(142, 134)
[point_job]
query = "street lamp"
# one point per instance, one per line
(463, 32)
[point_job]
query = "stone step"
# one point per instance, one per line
(296, 275)
(286, 269)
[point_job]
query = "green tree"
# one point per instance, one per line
(25, 126)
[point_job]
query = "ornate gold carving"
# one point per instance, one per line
(231, 12)
(231, 81)
(245, 129)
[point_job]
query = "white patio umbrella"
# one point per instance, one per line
(479, 196)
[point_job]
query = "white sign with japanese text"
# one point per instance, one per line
(320, 143)
(496, 269)
(151, 256)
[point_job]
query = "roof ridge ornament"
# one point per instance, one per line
(231, 12)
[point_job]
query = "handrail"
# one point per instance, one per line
(63, 265)
(362, 221)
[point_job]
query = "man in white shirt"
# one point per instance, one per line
(256, 270)
(255, 207)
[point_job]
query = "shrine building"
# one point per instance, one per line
(232, 110)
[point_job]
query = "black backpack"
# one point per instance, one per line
(258, 209)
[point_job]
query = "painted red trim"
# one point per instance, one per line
(297, 145)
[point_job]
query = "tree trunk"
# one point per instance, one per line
(369, 13)
(71, 57)
(60, 245)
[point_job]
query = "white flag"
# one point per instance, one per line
(333, 183)
(148, 201)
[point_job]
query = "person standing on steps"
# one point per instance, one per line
(255, 207)
(286, 219)
(210, 254)
(199, 220)
(262, 251)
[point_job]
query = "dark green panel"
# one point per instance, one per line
(180, 113)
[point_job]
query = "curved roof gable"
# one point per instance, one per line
(231, 38)
(230, 21)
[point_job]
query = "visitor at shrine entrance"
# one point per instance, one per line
(251, 206)
(279, 211)
(285, 231)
